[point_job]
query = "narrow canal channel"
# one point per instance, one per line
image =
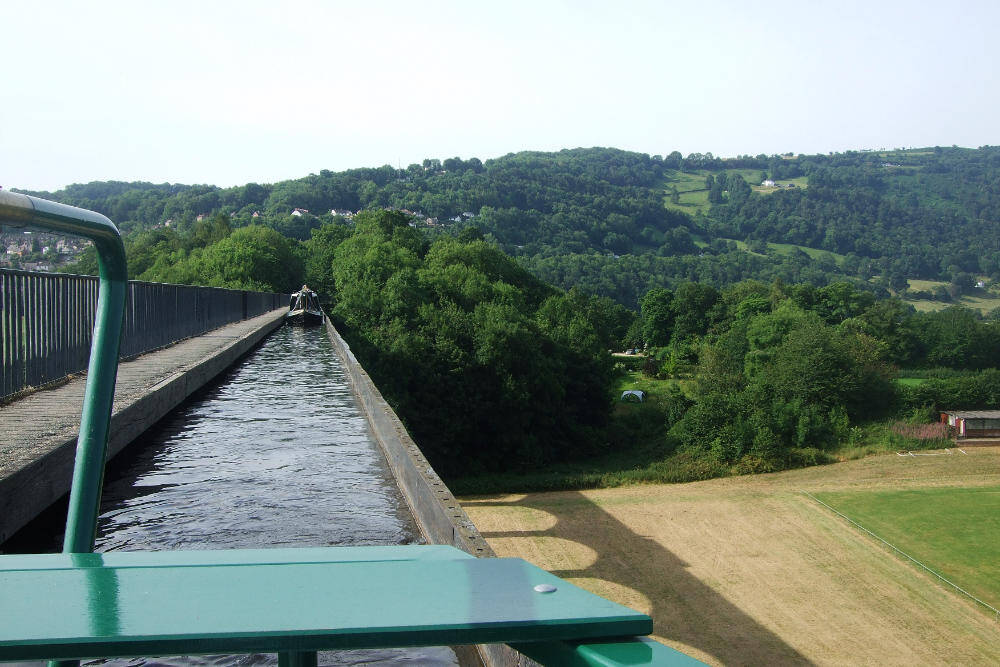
(276, 453)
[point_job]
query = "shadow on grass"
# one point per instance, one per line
(684, 609)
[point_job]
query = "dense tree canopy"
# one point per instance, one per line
(491, 368)
(781, 368)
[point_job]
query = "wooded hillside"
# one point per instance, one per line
(616, 223)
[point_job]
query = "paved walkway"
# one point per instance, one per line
(38, 432)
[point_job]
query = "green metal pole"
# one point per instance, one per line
(98, 398)
(297, 659)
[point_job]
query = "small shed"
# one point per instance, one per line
(973, 423)
(634, 395)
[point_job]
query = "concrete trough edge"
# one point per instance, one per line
(27, 492)
(435, 509)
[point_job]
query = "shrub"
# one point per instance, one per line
(801, 457)
(934, 431)
(752, 465)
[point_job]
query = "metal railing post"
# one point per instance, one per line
(98, 398)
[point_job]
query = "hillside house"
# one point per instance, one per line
(767, 183)
(973, 423)
(36, 266)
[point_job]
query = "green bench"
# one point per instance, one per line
(123, 604)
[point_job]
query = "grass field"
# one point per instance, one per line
(691, 191)
(787, 248)
(653, 387)
(983, 301)
(800, 182)
(750, 570)
(953, 531)
(693, 196)
(911, 382)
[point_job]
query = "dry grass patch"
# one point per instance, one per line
(749, 570)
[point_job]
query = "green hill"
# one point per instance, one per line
(574, 215)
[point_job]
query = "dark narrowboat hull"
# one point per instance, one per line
(304, 318)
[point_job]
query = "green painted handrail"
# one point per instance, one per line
(92, 444)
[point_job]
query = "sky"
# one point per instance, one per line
(228, 93)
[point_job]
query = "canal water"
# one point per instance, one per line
(276, 453)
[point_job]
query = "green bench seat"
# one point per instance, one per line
(123, 604)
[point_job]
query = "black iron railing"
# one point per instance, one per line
(47, 319)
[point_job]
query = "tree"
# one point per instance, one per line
(715, 194)
(657, 317)
(694, 307)
(470, 234)
(898, 282)
(780, 380)
(320, 252)
(841, 300)
(251, 258)
(474, 352)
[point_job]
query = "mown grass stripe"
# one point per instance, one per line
(905, 555)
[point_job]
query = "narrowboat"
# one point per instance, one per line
(303, 309)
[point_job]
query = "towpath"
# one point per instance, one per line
(38, 432)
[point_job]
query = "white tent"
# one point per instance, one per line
(634, 395)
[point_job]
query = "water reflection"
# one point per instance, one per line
(275, 454)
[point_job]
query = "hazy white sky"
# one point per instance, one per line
(232, 92)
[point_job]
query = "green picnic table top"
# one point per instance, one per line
(269, 600)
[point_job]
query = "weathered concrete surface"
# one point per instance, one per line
(38, 432)
(437, 513)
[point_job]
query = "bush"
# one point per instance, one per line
(936, 431)
(801, 457)
(675, 405)
(754, 465)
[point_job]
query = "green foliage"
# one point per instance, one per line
(491, 369)
(319, 256)
(254, 258)
(694, 310)
(250, 258)
(657, 316)
(974, 391)
(782, 380)
(955, 338)
(787, 374)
